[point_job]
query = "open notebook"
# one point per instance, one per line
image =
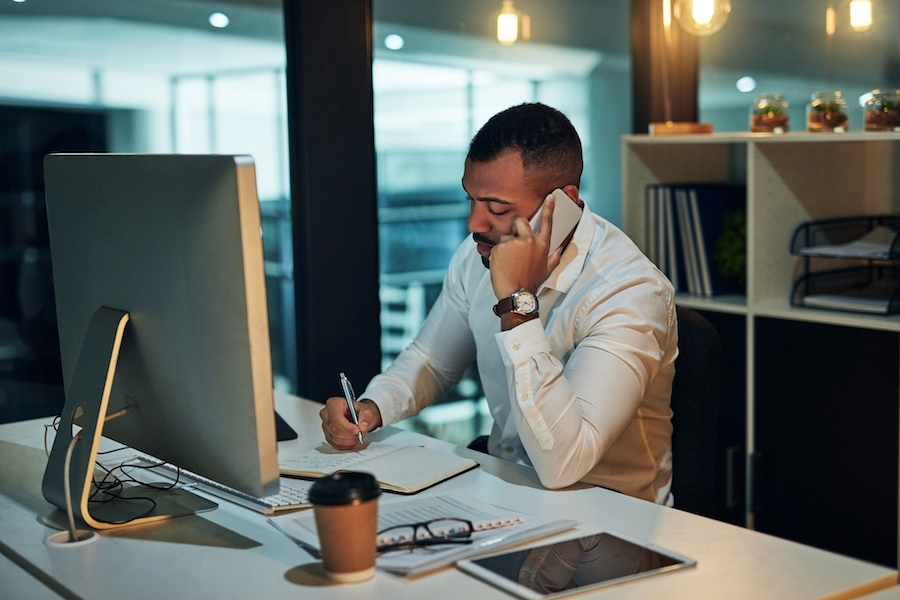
(403, 469)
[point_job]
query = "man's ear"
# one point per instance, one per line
(571, 191)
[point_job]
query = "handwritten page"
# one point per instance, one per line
(405, 469)
(325, 459)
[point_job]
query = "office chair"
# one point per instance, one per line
(695, 399)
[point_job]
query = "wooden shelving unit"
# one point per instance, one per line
(792, 178)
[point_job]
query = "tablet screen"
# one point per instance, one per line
(570, 566)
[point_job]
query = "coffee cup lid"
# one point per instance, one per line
(344, 487)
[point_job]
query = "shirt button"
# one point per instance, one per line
(508, 449)
(516, 346)
(523, 397)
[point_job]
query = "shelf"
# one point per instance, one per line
(783, 310)
(726, 303)
(786, 351)
(764, 138)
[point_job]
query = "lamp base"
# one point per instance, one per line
(678, 128)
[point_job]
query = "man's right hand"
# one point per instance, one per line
(339, 430)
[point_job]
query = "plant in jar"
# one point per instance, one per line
(827, 112)
(769, 118)
(769, 114)
(882, 111)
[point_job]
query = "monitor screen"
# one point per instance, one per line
(175, 242)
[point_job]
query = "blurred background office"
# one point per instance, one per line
(204, 76)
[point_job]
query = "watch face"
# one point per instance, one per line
(525, 303)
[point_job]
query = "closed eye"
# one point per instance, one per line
(495, 206)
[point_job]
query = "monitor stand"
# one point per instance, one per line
(87, 401)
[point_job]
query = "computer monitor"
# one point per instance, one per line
(161, 304)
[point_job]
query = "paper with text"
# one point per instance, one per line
(495, 527)
(405, 469)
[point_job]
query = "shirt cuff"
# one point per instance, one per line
(521, 343)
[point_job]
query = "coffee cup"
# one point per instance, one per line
(346, 512)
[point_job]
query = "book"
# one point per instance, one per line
(671, 240)
(662, 240)
(494, 528)
(688, 242)
(402, 469)
(684, 226)
(710, 206)
(705, 283)
(651, 226)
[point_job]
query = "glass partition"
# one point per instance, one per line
(154, 77)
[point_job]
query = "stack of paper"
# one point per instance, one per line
(495, 528)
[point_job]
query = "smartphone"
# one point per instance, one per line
(566, 215)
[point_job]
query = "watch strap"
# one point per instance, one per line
(504, 306)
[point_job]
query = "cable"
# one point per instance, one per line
(114, 486)
(55, 426)
(73, 536)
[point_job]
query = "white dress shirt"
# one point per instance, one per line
(582, 394)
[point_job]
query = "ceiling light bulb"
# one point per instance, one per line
(507, 23)
(218, 20)
(701, 17)
(746, 84)
(393, 41)
(702, 11)
(860, 15)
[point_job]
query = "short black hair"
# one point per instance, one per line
(549, 145)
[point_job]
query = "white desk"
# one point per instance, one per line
(232, 552)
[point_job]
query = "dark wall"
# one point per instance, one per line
(332, 159)
(30, 369)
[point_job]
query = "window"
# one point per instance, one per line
(427, 108)
(82, 83)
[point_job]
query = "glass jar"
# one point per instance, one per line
(827, 112)
(882, 111)
(769, 114)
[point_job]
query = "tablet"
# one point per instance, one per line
(573, 566)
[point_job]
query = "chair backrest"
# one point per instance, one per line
(695, 400)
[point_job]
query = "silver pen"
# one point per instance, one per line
(350, 395)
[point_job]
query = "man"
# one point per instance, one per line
(578, 388)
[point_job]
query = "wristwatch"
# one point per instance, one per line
(521, 302)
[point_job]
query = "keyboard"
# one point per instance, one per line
(294, 493)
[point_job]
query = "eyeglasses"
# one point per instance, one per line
(426, 533)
